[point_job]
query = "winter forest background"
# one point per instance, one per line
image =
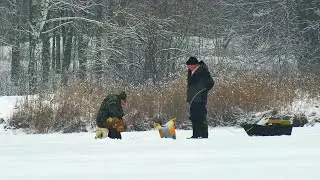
(67, 55)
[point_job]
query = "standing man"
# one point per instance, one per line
(109, 118)
(200, 83)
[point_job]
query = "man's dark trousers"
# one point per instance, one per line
(198, 116)
(113, 134)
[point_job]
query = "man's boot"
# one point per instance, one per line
(113, 134)
(204, 129)
(195, 130)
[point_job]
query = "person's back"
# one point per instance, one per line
(109, 117)
(110, 107)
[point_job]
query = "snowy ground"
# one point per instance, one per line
(229, 154)
(7, 105)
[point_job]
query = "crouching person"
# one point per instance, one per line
(110, 116)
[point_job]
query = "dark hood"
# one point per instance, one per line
(203, 67)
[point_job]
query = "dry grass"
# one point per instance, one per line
(70, 109)
(73, 108)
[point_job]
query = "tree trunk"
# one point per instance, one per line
(53, 52)
(16, 58)
(34, 16)
(58, 34)
(32, 65)
(45, 59)
(45, 56)
(82, 57)
(15, 63)
(150, 68)
(98, 63)
(58, 52)
(67, 50)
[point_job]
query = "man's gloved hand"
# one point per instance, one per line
(119, 125)
(101, 133)
(109, 122)
(115, 123)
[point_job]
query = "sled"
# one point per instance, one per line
(268, 130)
(167, 130)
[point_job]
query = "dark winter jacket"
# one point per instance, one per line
(201, 79)
(110, 107)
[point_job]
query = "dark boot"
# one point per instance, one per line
(204, 129)
(195, 130)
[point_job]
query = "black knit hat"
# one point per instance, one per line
(123, 95)
(192, 61)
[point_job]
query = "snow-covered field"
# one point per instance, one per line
(229, 154)
(226, 155)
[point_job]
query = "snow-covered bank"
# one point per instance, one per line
(7, 105)
(303, 104)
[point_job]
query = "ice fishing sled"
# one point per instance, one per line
(269, 127)
(167, 130)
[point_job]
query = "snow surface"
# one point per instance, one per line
(229, 154)
(7, 104)
(226, 155)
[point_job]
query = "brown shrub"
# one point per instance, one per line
(74, 108)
